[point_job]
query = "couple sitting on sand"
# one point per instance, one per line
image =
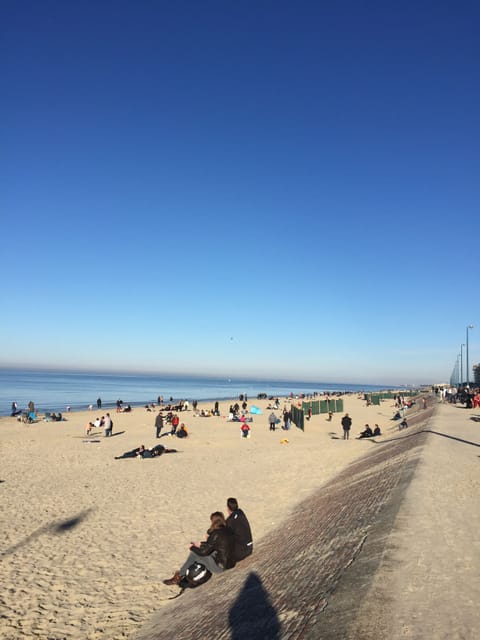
(368, 433)
(141, 452)
(227, 542)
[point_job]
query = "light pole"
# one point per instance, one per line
(457, 375)
(461, 363)
(469, 326)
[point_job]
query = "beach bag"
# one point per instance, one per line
(196, 574)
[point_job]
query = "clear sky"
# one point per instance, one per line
(260, 187)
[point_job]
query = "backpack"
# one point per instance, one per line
(195, 575)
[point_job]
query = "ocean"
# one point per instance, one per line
(55, 390)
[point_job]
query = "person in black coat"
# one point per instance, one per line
(159, 424)
(237, 521)
(346, 426)
(216, 553)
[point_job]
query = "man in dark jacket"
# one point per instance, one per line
(238, 523)
(346, 425)
(159, 423)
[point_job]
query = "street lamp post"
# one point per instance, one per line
(469, 326)
(461, 363)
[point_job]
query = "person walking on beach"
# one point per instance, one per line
(107, 425)
(272, 419)
(159, 423)
(99, 403)
(346, 425)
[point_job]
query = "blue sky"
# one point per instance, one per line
(268, 188)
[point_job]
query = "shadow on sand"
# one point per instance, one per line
(56, 528)
(416, 433)
(252, 615)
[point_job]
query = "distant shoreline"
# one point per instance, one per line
(54, 391)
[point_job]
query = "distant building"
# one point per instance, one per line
(476, 374)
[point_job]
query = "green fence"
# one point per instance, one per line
(298, 417)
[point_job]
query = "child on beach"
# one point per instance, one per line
(245, 430)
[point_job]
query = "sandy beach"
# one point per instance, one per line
(88, 539)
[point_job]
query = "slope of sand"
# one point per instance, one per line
(88, 539)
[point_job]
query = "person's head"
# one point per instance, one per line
(217, 520)
(232, 504)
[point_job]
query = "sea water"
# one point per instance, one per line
(57, 390)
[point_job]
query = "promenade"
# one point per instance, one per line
(387, 549)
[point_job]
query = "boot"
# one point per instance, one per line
(175, 579)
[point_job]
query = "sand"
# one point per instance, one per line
(87, 539)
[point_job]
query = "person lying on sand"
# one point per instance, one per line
(141, 452)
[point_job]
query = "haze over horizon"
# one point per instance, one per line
(275, 190)
(200, 374)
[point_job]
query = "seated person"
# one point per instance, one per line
(238, 523)
(182, 432)
(403, 424)
(216, 553)
(367, 433)
(377, 431)
(15, 410)
(88, 428)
